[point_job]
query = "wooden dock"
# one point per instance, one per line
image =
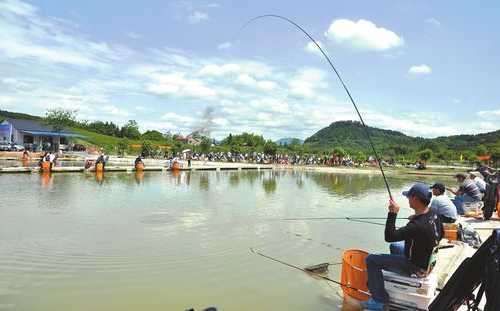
(76, 169)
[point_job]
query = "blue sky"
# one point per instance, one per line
(426, 68)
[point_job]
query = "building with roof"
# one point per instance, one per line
(34, 135)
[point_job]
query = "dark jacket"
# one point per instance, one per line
(421, 235)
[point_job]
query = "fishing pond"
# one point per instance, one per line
(172, 241)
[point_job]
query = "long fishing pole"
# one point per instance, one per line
(334, 218)
(304, 270)
(341, 81)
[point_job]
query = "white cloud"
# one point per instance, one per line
(133, 35)
(489, 114)
(219, 70)
(224, 46)
(456, 101)
(177, 118)
(306, 82)
(193, 13)
(248, 80)
(196, 17)
(176, 84)
(363, 34)
(420, 70)
(113, 110)
(312, 48)
(17, 7)
(434, 22)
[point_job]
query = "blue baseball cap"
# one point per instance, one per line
(419, 190)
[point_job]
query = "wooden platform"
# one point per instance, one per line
(76, 169)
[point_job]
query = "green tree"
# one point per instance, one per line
(130, 130)
(122, 147)
(148, 149)
(360, 156)
(153, 135)
(205, 144)
(425, 155)
(270, 147)
(339, 151)
(481, 150)
(60, 118)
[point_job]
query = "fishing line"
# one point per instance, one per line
(253, 250)
(340, 79)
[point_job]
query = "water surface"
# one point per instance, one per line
(157, 241)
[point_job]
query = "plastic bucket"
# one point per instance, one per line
(139, 167)
(46, 166)
(99, 167)
(354, 274)
(176, 166)
(498, 201)
(451, 232)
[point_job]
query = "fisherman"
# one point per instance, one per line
(138, 160)
(42, 159)
(478, 179)
(101, 159)
(468, 192)
(421, 235)
(442, 205)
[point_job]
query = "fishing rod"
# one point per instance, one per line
(340, 79)
(304, 270)
(334, 218)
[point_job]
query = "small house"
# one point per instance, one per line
(33, 135)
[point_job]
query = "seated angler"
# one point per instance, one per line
(479, 180)
(421, 235)
(468, 192)
(138, 160)
(442, 205)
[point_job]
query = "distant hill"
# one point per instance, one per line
(288, 141)
(16, 115)
(350, 135)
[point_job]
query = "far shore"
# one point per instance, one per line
(432, 170)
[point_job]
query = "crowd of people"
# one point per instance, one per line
(282, 159)
(413, 246)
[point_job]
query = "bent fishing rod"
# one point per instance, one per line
(365, 128)
(253, 250)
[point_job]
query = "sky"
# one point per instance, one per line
(425, 68)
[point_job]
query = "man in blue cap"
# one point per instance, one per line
(422, 233)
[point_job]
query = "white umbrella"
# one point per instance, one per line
(187, 150)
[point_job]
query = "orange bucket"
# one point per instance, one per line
(176, 166)
(139, 167)
(498, 202)
(354, 274)
(451, 232)
(46, 166)
(99, 167)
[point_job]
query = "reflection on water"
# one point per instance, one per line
(269, 185)
(99, 177)
(351, 185)
(139, 177)
(174, 240)
(45, 178)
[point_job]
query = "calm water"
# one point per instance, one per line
(159, 241)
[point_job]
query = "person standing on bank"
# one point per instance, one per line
(411, 257)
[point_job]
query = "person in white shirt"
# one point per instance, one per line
(478, 179)
(442, 205)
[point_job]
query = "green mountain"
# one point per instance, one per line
(351, 136)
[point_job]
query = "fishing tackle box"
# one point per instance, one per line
(410, 293)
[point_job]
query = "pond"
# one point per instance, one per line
(163, 241)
